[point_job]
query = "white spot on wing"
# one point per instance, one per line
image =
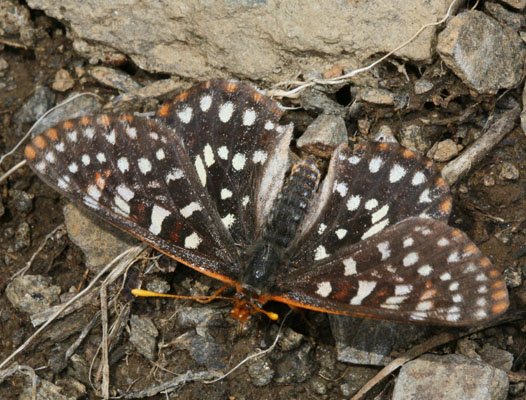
(375, 164)
(159, 214)
(123, 164)
(131, 132)
(225, 111)
(408, 242)
(410, 259)
(145, 165)
(397, 173)
(209, 155)
(269, 125)
(371, 204)
(365, 288)
(222, 152)
(424, 197)
(72, 136)
(122, 205)
(378, 215)
(384, 250)
(340, 233)
(190, 209)
(85, 159)
(354, 160)
(376, 228)
(259, 157)
(418, 179)
(238, 161)
(110, 137)
(402, 290)
(425, 270)
(73, 168)
(50, 157)
(201, 171)
(60, 147)
(245, 201)
(446, 276)
(101, 157)
(353, 203)
(320, 253)
(249, 116)
(205, 102)
(173, 175)
(94, 192)
(185, 115)
(341, 188)
(89, 132)
(160, 154)
(192, 241)
(125, 192)
(324, 289)
(350, 266)
(225, 194)
(228, 221)
(321, 228)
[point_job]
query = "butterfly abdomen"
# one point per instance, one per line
(292, 203)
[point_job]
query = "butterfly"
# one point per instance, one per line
(210, 181)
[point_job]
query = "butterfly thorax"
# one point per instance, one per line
(269, 253)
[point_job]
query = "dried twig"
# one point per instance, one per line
(26, 370)
(123, 258)
(495, 132)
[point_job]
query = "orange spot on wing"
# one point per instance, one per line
(40, 142)
(441, 183)
(126, 117)
(500, 295)
(30, 152)
(494, 273)
(456, 233)
(428, 294)
(52, 134)
(498, 285)
(67, 124)
(104, 120)
(382, 146)
(181, 97)
(164, 110)
(100, 181)
(408, 153)
(107, 172)
(470, 248)
(257, 97)
(485, 262)
(85, 121)
(231, 87)
(429, 284)
(445, 206)
(500, 307)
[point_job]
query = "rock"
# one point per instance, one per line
(318, 385)
(143, 335)
(203, 349)
(512, 277)
(114, 79)
(384, 134)
(295, 366)
(318, 102)
(422, 86)
(323, 135)
(16, 23)
(511, 19)
(376, 96)
(443, 151)
(508, 171)
(197, 40)
(22, 236)
(41, 101)
(517, 4)
(3, 64)
(23, 200)
(290, 340)
(158, 285)
(498, 358)
(414, 137)
(32, 293)
(371, 342)
(452, 376)
(260, 372)
(99, 241)
(63, 81)
(481, 52)
(83, 105)
(489, 181)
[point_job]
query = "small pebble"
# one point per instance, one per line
(508, 172)
(63, 81)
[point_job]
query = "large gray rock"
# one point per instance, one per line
(251, 39)
(484, 54)
(450, 377)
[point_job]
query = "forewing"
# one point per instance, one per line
(136, 174)
(366, 190)
(417, 270)
(239, 150)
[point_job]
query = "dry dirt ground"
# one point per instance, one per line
(490, 209)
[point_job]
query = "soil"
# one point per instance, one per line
(490, 211)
